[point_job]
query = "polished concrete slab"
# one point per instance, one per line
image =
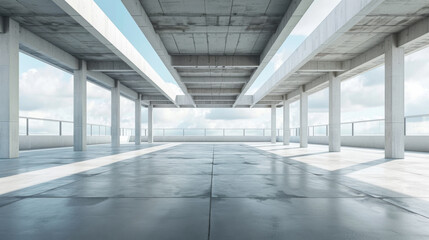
(215, 191)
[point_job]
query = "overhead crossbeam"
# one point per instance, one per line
(214, 91)
(109, 66)
(206, 61)
(208, 80)
(323, 66)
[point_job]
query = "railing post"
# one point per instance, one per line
(353, 129)
(27, 121)
(405, 126)
(313, 131)
(183, 131)
(90, 128)
(244, 132)
(61, 127)
(327, 130)
(263, 132)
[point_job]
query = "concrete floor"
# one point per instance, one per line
(214, 191)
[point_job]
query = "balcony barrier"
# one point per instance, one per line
(417, 125)
(29, 126)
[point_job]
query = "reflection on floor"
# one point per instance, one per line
(214, 191)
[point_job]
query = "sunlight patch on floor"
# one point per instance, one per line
(28, 179)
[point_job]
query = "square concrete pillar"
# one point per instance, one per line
(273, 124)
(116, 115)
(138, 120)
(303, 121)
(79, 107)
(334, 113)
(394, 99)
(286, 124)
(150, 123)
(9, 89)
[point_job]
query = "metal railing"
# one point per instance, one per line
(212, 132)
(43, 126)
(416, 125)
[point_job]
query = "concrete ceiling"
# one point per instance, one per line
(49, 21)
(216, 48)
(350, 47)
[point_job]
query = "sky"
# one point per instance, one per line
(47, 92)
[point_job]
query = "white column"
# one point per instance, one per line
(303, 122)
(286, 124)
(394, 99)
(9, 90)
(150, 123)
(138, 120)
(116, 115)
(334, 113)
(79, 107)
(273, 124)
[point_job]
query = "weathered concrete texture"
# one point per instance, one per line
(63, 34)
(116, 114)
(303, 119)
(215, 191)
(334, 114)
(286, 122)
(221, 39)
(79, 107)
(349, 41)
(273, 124)
(394, 99)
(9, 89)
(150, 124)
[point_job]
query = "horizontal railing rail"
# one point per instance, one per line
(414, 125)
(45, 126)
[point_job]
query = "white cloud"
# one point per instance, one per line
(127, 109)
(46, 93)
(98, 104)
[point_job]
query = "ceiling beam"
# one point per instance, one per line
(214, 98)
(214, 91)
(208, 80)
(345, 16)
(109, 66)
(96, 22)
(154, 98)
(139, 15)
(214, 29)
(293, 14)
(206, 61)
(45, 51)
(323, 66)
